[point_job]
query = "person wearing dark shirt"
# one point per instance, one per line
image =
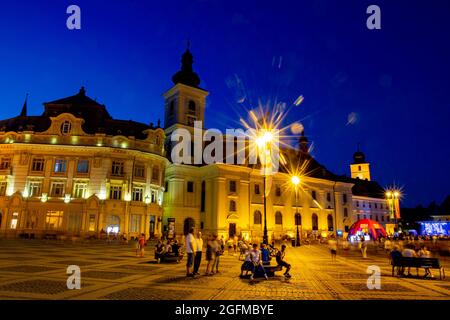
(265, 254)
(280, 260)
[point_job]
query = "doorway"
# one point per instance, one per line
(232, 230)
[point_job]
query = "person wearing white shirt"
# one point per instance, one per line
(198, 252)
(190, 250)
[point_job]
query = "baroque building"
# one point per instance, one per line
(76, 171)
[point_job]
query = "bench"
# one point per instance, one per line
(419, 262)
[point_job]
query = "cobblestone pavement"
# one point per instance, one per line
(31, 269)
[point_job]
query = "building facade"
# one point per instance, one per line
(74, 170)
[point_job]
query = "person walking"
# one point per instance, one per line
(332, 245)
(363, 247)
(142, 244)
(209, 256)
(190, 250)
(198, 252)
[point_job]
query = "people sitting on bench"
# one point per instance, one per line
(424, 253)
(409, 253)
(247, 265)
(265, 255)
(280, 261)
(168, 252)
(396, 256)
(159, 251)
(257, 262)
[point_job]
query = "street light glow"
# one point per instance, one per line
(295, 180)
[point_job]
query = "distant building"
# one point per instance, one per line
(75, 170)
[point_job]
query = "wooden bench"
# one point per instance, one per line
(418, 262)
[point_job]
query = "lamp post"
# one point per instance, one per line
(296, 181)
(264, 141)
(393, 198)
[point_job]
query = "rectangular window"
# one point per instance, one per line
(344, 198)
(357, 203)
(232, 186)
(139, 171)
(83, 166)
(155, 174)
(14, 220)
(278, 191)
(376, 206)
(3, 186)
(79, 190)
(153, 196)
(345, 213)
(135, 223)
(54, 219)
(60, 166)
(137, 193)
(37, 165)
(92, 222)
(117, 168)
(5, 163)
(57, 189)
(328, 197)
(257, 191)
(190, 186)
(115, 192)
(358, 216)
(34, 188)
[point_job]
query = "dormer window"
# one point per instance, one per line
(66, 127)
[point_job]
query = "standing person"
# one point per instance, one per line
(217, 248)
(209, 256)
(257, 262)
(332, 245)
(280, 260)
(409, 253)
(142, 244)
(363, 247)
(159, 250)
(136, 246)
(190, 250)
(424, 253)
(198, 252)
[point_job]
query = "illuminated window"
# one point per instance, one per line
(66, 127)
(257, 191)
(34, 188)
(190, 186)
(14, 220)
(137, 193)
(37, 165)
(135, 223)
(60, 166)
(54, 219)
(5, 163)
(117, 168)
(139, 170)
(79, 190)
(57, 189)
(83, 166)
(115, 192)
(278, 218)
(232, 206)
(3, 186)
(92, 222)
(257, 217)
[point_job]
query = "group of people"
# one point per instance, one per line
(410, 252)
(171, 249)
(256, 259)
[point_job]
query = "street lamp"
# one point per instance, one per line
(393, 199)
(296, 181)
(264, 141)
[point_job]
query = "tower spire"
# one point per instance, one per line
(23, 113)
(186, 75)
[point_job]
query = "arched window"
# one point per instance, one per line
(188, 224)
(232, 206)
(315, 222)
(66, 127)
(257, 217)
(298, 219)
(330, 222)
(278, 218)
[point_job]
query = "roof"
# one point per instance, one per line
(95, 115)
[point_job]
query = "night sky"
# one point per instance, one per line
(394, 81)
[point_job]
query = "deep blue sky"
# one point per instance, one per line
(396, 80)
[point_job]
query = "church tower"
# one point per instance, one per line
(360, 167)
(185, 101)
